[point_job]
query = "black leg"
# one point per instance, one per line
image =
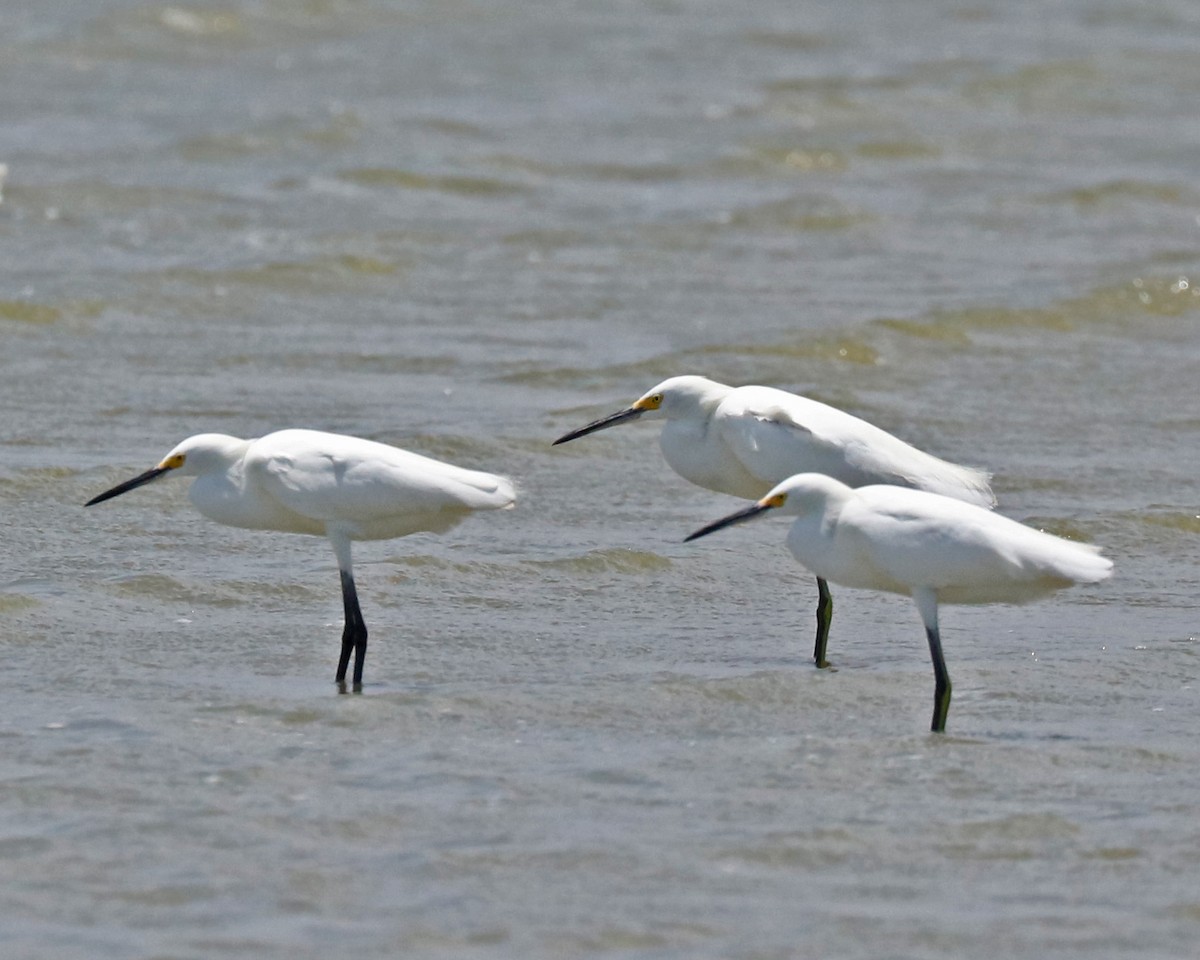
(941, 690)
(824, 616)
(354, 633)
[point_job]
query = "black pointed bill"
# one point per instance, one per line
(734, 518)
(120, 488)
(629, 413)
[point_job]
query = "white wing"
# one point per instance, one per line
(369, 488)
(775, 434)
(964, 552)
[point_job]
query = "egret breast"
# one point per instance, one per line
(228, 499)
(698, 455)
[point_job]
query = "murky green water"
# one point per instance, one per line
(465, 228)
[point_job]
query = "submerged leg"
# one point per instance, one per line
(824, 616)
(927, 603)
(354, 633)
(941, 689)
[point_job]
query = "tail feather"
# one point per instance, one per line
(486, 491)
(968, 484)
(1085, 564)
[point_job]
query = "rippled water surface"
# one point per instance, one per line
(467, 227)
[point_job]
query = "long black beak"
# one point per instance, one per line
(734, 518)
(128, 485)
(629, 413)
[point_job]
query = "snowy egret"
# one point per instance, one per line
(345, 488)
(934, 548)
(744, 440)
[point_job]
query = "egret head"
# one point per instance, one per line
(192, 457)
(675, 399)
(204, 453)
(796, 496)
(680, 398)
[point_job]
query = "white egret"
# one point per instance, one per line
(345, 488)
(934, 548)
(744, 440)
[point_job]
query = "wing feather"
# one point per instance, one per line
(969, 555)
(775, 434)
(353, 482)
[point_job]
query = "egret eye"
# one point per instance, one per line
(173, 462)
(651, 401)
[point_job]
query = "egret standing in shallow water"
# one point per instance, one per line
(936, 549)
(347, 489)
(744, 440)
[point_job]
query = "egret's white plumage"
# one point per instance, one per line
(344, 488)
(930, 547)
(744, 440)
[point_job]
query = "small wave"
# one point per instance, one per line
(648, 371)
(765, 690)
(802, 214)
(1186, 522)
(847, 349)
(342, 129)
(16, 603)
(897, 150)
(37, 478)
(955, 326)
(159, 586)
(1060, 528)
(790, 159)
(1021, 826)
(36, 314)
(1123, 191)
(395, 178)
(1074, 86)
(374, 363)
(788, 40)
(1174, 521)
(614, 560)
(1120, 305)
(27, 311)
(611, 172)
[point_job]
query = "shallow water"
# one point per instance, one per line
(466, 228)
